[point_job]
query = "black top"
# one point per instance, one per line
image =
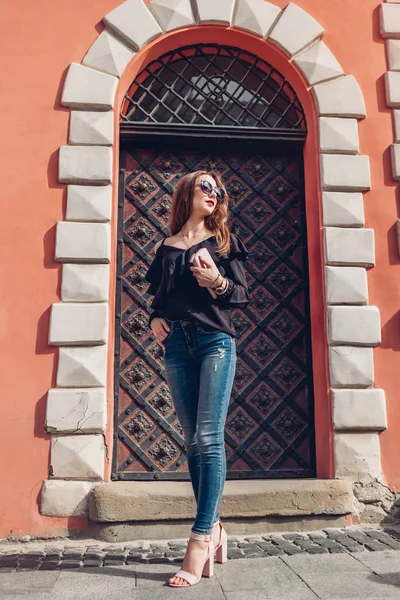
(178, 296)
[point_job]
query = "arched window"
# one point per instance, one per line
(215, 86)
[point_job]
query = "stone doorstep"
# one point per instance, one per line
(147, 501)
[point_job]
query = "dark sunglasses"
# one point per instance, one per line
(207, 188)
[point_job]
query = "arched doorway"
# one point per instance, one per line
(215, 106)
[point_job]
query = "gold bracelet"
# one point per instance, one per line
(222, 288)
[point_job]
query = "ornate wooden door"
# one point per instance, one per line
(270, 425)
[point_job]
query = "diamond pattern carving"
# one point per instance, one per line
(136, 276)
(141, 232)
(164, 452)
(143, 187)
(265, 451)
(285, 326)
(139, 426)
(137, 324)
(288, 424)
(263, 350)
(161, 401)
(240, 425)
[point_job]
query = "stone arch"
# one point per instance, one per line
(77, 407)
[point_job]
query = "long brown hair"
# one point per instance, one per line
(181, 209)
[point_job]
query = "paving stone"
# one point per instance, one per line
(172, 554)
(235, 553)
(294, 536)
(93, 562)
(70, 564)
(134, 557)
(253, 552)
(316, 550)
(375, 546)
(289, 548)
(270, 549)
(384, 538)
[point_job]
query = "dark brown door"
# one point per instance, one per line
(270, 425)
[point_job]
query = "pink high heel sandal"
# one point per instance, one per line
(208, 569)
(221, 549)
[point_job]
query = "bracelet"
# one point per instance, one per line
(217, 277)
(222, 288)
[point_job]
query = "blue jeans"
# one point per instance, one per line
(200, 366)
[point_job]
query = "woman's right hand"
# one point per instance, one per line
(160, 328)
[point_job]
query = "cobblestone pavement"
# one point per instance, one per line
(69, 554)
(333, 564)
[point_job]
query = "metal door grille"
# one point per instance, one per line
(213, 85)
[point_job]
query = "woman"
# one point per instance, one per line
(195, 327)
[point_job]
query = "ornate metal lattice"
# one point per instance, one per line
(270, 424)
(213, 85)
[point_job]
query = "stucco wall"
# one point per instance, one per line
(38, 43)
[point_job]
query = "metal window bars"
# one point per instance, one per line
(213, 85)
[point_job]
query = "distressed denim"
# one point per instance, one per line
(200, 366)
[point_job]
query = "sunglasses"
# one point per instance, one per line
(207, 188)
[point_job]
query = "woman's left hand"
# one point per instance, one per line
(206, 274)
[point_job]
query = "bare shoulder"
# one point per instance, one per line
(158, 245)
(174, 240)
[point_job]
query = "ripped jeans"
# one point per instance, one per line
(200, 366)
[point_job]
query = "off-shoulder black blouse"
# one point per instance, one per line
(178, 296)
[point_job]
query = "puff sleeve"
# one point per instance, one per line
(154, 275)
(232, 268)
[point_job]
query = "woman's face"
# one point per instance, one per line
(204, 204)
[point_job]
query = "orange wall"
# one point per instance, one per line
(38, 42)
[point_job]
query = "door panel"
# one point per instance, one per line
(270, 425)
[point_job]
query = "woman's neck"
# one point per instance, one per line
(194, 228)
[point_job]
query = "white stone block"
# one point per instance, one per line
(76, 411)
(85, 164)
(85, 283)
(91, 128)
(396, 119)
(392, 83)
(89, 203)
(210, 11)
(65, 498)
(78, 324)
(357, 456)
(108, 54)
(86, 88)
(172, 14)
(348, 246)
(345, 173)
(338, 136)
(257, 16)
(133, 23)
(83, 242)
(354, 325)
(341, 97)
(393, 53)
(295, 30)
(77, 457)
(346, 285)
(318, 64)
(82, 367)
(390, 20)
(351, 366)
(343, 209)
(395, 153)
(359, 409)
